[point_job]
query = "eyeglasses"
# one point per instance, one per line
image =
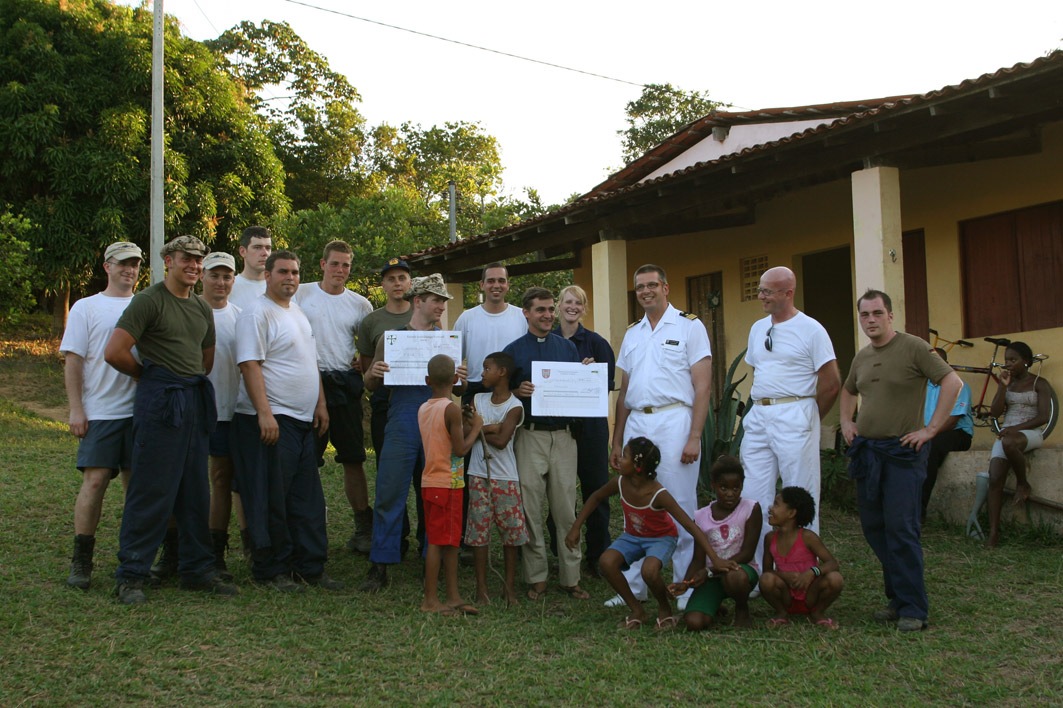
(766, 292)
(767, 340)
(646, 286)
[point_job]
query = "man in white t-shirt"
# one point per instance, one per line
(335, 314)
(280, 409)
(488, 327)
(795, 383)
(101, 400)
(219, 270)
(256, 243)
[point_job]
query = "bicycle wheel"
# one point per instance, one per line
(1053, 416)
(981, 418)
(1046, 429)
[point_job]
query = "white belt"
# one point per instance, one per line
(657, 409)
(779, 401)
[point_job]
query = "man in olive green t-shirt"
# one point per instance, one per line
(888, 450)
(173, 416)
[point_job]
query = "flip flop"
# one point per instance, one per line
(630, 623)
(576, 592)
(465, 609)
(827, 622)
(534, 594)
(667, 624)
(776, 622)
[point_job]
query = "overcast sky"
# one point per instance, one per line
(557, 129)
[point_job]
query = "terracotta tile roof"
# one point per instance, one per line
(860, 113)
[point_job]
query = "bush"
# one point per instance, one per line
(16, 289)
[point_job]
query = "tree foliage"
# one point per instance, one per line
(75, 103)
(16, 288)
(314, 123)
(658, 113)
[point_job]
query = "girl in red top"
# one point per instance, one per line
(800, 575)
(649, 532)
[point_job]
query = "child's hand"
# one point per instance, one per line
(677, 589)
(572, 539)
(803, 580)
(723, 566)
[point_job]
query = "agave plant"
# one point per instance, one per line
(722, 434)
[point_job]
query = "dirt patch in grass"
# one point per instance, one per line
(31, 375)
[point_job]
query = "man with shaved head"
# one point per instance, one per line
(795, 383)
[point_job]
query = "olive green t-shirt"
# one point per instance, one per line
(375, 324)
(170, 331)
(891, 383)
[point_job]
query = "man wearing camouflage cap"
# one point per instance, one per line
(173, 416)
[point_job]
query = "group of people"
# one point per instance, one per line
(261, 372)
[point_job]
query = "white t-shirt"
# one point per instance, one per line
(335, 320)
(504, 461)
(799, 349)
(483, 333)
(106, 394)
(658, 360)
(245, 291)
(282, 340)
(226, 374)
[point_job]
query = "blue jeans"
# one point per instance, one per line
(281, 491)
(172, 420)
(890, 508)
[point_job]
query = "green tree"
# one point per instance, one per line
(315, 125)
(16, 288)
(75, 97)
(659, 112)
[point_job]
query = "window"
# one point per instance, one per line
(751, 269)
(1013, 271)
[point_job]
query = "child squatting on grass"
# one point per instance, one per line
(732, 525)
(494, 487)
(800, 575)
(447, 436)
(649, 532)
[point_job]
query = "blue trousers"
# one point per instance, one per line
(172, 422)
(280, 488)
(890, 509)
(401, 463)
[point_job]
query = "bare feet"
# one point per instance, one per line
(464, 608)
(742, 619)
(510, 596)
(438, 608)
(482, 598)
(1022, 493)
(992, 540)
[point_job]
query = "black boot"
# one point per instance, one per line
(221, 544)
(81, 563)
(245, 544)
(376, 579)
(166, 566)
(361, 541)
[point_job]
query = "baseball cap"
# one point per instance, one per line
(394, 263)
(122, 250)
(218, 258)
(428, 285)
(188, 244)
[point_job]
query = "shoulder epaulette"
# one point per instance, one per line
(688, 315)
(634, 323)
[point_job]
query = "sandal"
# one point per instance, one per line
(828, 622)
(630, 623)
(575, 592)
(535, 595)
(465, 609)
(776, 622)
(667, 624)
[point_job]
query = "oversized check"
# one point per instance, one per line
(570, 390)
(407, 353)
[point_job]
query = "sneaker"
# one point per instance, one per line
(130, 592)
(911, 624)
(617, 601)
(325, 582)
(376, 579)
(886, 614)
(283, 583)
(214, 585)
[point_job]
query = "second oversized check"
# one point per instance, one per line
(570, 390)
(407, 353)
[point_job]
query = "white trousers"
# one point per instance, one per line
(669, 431)
(781, 441)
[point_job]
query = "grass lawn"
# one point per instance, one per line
(994, 639)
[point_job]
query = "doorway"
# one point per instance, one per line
(705, 299)
(826, 280)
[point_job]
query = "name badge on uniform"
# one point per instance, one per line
(671, 345)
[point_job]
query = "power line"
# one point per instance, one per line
(466, 44)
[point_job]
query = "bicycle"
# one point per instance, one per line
(979, 410)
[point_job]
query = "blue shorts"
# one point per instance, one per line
(107, 444)
(219, 440)
(634, 548)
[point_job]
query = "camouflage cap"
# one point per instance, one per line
(123, 250)
(187, 244)
(428, 285)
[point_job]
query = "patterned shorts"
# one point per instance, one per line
(500, 504)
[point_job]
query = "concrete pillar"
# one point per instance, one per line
(455, 306)
(877, 259)
(610, 283)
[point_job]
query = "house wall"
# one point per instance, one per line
(820, 218)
